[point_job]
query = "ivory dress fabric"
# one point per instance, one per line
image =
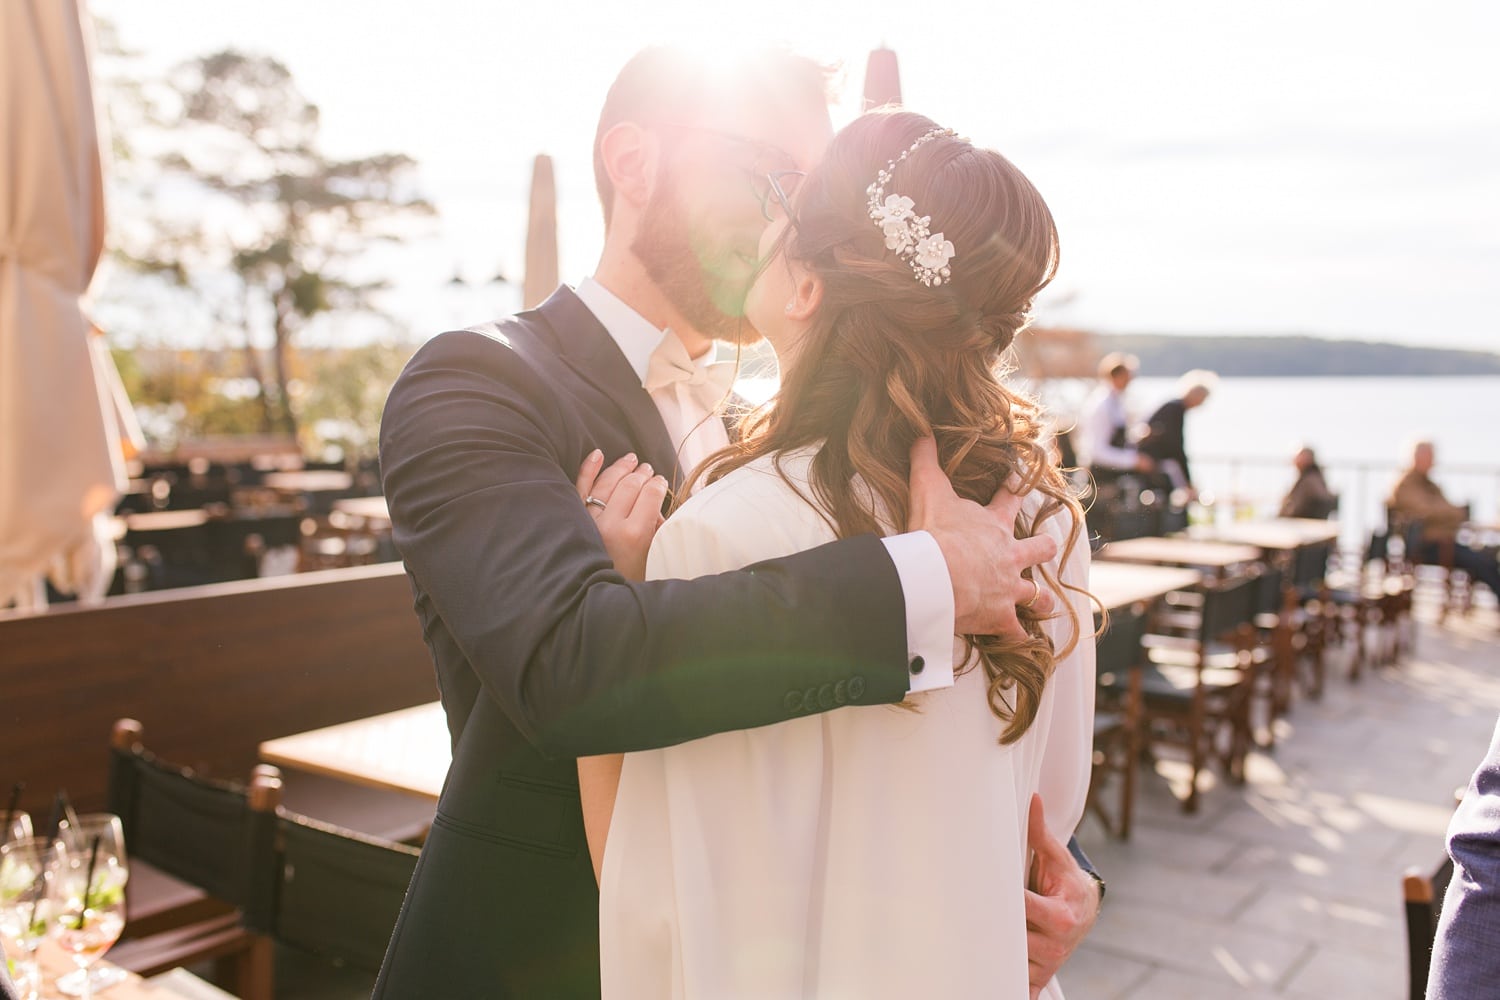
(873, 851)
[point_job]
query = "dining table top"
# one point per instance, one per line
(406, 751)
(1278, 534)
(166, 520)
(1179, 552)
(178, 984)
(1119, 585)
(309, 481)
(373, 509)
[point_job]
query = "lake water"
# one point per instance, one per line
(1242, 439)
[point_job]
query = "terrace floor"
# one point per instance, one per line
(1290, 885)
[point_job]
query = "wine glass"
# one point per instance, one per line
(90, 910)
(28, 880)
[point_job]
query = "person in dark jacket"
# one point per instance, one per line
(1165, 441)
(1466, 954)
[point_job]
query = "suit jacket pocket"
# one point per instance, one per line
(524, 812)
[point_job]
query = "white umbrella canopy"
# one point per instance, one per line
(61, 466)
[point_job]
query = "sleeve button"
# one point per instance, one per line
(918, 665)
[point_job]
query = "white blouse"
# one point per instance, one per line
(872, 851)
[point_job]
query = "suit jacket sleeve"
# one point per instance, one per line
(1465, 959)
(583, 662)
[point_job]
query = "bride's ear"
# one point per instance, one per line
(807, 296)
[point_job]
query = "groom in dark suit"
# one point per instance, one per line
(543, 652)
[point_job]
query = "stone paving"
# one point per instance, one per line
(1289, 886)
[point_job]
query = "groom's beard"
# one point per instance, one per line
(699, 278)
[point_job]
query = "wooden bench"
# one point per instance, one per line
(212, 672)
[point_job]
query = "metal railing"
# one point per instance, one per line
(1248, 487)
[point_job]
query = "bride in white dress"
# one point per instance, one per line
(872, 851)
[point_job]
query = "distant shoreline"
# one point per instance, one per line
(1296, 357)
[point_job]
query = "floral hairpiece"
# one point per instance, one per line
(906, 232)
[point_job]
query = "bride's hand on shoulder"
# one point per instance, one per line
(625, 502)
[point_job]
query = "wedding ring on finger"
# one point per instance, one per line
(1036, 591)
(595, 502)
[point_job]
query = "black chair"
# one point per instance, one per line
(1197, 686)
(192, 842)
(1458, 589)
(1392, 585)
(1424, 892)
(1117, 718)
(324, 890)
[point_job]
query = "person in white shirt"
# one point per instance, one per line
(1104, 445)
(876, 851)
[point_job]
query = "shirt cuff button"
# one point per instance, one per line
(918, 665)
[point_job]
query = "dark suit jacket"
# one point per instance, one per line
(1466, 955)
(544, 653)
(1164, 438)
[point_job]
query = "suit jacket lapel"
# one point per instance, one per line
(588, 349)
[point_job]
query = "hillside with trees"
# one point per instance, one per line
(1162, 354)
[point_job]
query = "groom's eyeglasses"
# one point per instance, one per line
(779, 187)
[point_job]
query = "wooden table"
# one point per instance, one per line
(373, 510)
(405, 751)
(179, 984)
(1120, 585)
(166, 520)
(1279, 534)
(313, 481)
(1216, 556)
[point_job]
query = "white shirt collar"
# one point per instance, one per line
(634, 333)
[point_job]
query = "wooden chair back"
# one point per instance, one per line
(330, 891)
(1423, 892)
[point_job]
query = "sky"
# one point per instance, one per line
(1329, 167)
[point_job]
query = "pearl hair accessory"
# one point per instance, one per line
(907, 233)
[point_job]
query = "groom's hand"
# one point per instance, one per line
(979, 543)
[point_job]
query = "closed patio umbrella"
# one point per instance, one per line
(61, 466)
(540, 279)
(882, 79)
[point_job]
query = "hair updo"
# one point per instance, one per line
(888, 359)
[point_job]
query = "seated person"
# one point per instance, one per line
(1416, 499)
(1309, 495)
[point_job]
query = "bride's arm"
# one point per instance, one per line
(625, 501)
(598, 783)
(1068, 751)
(1063, 900)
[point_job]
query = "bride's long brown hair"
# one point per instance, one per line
(888, 359)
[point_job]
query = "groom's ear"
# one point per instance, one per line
(629, 154)
(807, 296)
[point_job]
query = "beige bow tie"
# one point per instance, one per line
(670, 365)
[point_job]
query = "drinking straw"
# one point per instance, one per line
(88, 881)
(15, 802)
(55, 818)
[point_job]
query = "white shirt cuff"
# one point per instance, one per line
(928, 591)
